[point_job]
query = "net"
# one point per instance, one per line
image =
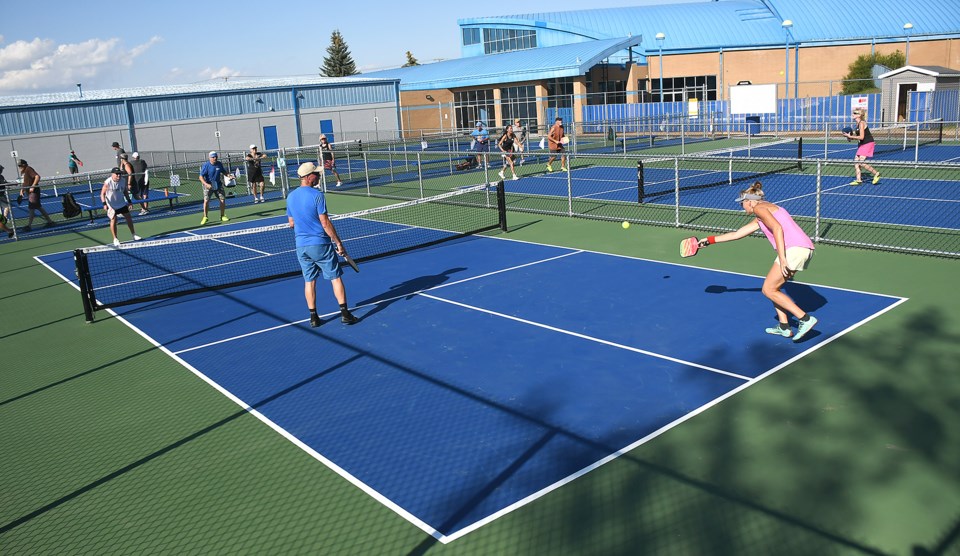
(158, 269)
(664, 177)
(903, 137)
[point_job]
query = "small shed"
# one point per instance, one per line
(897, 85)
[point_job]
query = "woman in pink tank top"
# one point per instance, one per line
(794, 251)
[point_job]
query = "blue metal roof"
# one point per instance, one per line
(732, 24)
(524, 65)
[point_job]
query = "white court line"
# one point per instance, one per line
(190, 233)
(387, 300)
(585, 337)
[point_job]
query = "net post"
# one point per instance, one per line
(640, 183)
(83, 277)
(800, 154)
(502, 206)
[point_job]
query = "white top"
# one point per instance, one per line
(114, 196)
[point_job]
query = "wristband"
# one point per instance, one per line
(711, 239)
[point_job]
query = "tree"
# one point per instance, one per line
(411, 61)
(860, 76)
(338, 62)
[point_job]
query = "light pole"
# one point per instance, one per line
(80, 85)
(787, 24)
(660, 37)
(907, 28)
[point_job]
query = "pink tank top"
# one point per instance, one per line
(793, 236)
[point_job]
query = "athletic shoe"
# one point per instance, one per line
(549, 168)
(348, 318)
(9, 234)
(515, 177)
(876, 179)
(315, 321)
(339, 183)
(255, 200)
(262, 200)
(116, 242)
(137, 238)
(224, 219)
(785, 332)
(805, 326)
(203, 220)
(500, 173)
(855, 182)
(562, 169)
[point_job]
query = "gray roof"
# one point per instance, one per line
(193, 88)
(933, 71)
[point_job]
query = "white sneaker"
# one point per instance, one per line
(262, 200)
(339, 183)
(501, 175)
(116, 242)
(136, 237)
(515, 177)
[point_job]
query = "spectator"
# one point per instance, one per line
(72, 164)
(5, 213)
(138, 180)
(31, 187)
(481, 140)
(555, 138)
(255, 172)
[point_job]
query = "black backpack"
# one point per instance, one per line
(70, 206)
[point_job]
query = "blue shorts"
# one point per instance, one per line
(319, 259)
(482, 147)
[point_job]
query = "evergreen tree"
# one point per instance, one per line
(859, 79)
(411, 61)
(338, 62)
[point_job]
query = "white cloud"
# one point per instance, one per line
(221, 73)
(42, 65)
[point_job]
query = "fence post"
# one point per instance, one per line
(816, 231)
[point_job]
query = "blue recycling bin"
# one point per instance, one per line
(753, 125)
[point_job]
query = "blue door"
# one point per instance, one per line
(270, 138)
(326, 128)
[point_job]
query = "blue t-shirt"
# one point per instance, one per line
(480, 135)
(305, 205)
(212, 173)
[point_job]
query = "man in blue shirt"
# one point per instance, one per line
(212, 174)
(317, 242)
(481, 143)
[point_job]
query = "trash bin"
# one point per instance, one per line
(753, 125)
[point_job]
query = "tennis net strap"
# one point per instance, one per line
(158, 269)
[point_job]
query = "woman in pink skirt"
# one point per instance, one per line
(864, 148)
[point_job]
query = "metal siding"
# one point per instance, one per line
(46, 119)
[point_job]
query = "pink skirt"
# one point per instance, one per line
(866, 150)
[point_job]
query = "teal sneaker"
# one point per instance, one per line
(805, 326)
(777, 331)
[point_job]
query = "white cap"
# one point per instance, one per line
(136, 155)
(306, 169)
(252, 147)
(211, 154)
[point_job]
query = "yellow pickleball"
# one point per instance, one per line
(625, 224)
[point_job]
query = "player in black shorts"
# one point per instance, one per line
(255, 173)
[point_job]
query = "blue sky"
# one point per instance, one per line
(50, 46)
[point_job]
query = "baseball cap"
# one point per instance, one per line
(306, 169)
(748, 197)
(115, 170)
(252, 147)
(136, 155)
(212, 154)
(23, 162)
(115, 144)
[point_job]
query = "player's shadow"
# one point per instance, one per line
(406, 290)
(805, 296)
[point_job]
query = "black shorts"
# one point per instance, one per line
(255, 177)
(123, 210)
(139, 189)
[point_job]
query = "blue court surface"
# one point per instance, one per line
(486, 372)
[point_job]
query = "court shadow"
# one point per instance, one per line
(406, 290)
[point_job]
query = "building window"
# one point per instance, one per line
(680, 89)
(519, 102)
(474, 106)
(508, 40)
(560, 93)
(471, 35)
